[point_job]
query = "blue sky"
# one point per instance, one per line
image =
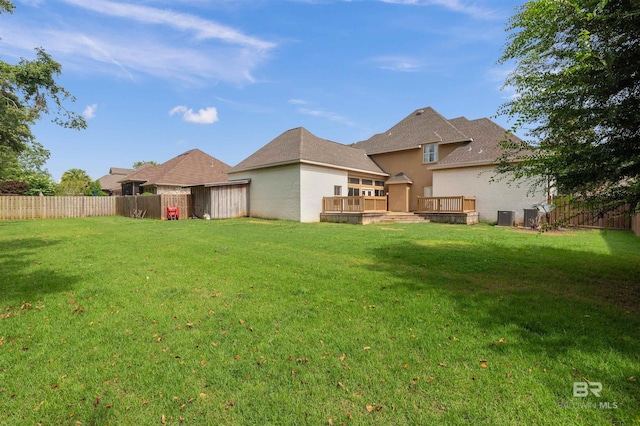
(156, 78)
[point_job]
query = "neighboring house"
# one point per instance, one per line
(290, 175)
(110, 184)
(441, 157)
(193, 167)
(424, 155)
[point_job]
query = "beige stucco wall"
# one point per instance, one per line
(317, 182)
(491, 197)
(274, 193)
(410, 163)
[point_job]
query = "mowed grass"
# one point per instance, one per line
(122, 321)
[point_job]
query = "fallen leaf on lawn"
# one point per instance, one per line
(203, 395)
(369, 408)
(483, 363)
(203, 363)
(189, 324)
(340, 384)
(502, 340)
(330, 422)
(442, 364)
(632, 379)
(163, 420)
(342, 358)
(366, 348)
(430, 379)
(242, 321)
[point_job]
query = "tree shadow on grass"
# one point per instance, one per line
(567, 307)
(24, 278)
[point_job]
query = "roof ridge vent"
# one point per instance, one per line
(419, 112)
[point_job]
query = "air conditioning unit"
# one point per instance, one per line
(506, 218)
(531, 218)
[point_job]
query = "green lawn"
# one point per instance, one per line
(122, 321)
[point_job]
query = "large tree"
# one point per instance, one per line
(74, 182)
(28, 90)
(577, 97)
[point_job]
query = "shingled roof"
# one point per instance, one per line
(422, 126)
(301, 146)
(484, 146)
(189, 168)
(110, 182)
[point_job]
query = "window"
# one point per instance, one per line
(354, 181)
(367, 182)
(354, 192)
(430, 153)
(337, 190)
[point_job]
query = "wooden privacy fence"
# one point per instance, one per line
(154, 206)
(46, 207)
(574, 213)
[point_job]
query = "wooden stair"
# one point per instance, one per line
(402, 217)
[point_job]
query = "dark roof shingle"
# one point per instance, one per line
(484, 147)
(424, 125)
(189, 168)
(300, 145)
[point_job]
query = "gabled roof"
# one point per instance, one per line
(301, 146)
(189, 168)
(120, 171)
(110, 181)
(422, 126)
(399, 178)
(484, 147)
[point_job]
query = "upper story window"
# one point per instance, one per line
(430, 153)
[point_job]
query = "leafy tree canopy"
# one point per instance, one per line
(577, 95)
(74, 182)
(28, 90)
(139, 164)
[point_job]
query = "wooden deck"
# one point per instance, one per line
(354, 204)
(455, 204)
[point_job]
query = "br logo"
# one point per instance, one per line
(582, 389)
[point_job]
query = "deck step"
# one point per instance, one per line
(403, 218)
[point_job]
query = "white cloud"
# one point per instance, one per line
(90, 111)
(398, 63)
(452, 5)
(128, 41)
(332, 116)
(203, 116)
(204, 29)
(298, 102)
